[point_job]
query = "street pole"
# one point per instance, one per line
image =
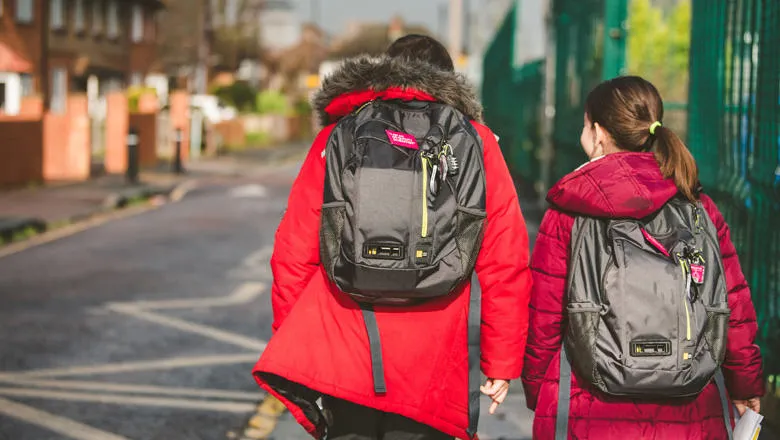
(547, 150)
(44, 82)
(467, 27)
(456, 29)
(315, 12)
(442, 31)
(204, 49)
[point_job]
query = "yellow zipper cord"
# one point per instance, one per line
(683, 267)
(424, 232)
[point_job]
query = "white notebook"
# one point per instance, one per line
(748, 426)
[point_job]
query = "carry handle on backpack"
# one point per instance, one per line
(564, 400)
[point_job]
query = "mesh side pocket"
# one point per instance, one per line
(581, 336)
(468, 236)
(331, 229)
(716, 331)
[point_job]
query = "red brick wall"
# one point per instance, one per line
(146, 124)
(231, 132)
(117, 119)
(32, 106)
(21, 150)
(24, 38)
(180, 119)
(148, 103)
(142, 55)
(66, 146)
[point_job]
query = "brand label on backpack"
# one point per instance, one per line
(402, 139)
(697, 273)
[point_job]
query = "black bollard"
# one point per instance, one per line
(132, 156)
(177, 168)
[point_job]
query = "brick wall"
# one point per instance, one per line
(180, 119)
(231, 132)
(21, 151)
(146, 124)
(66, 142)
(117, 125)
(32, 106)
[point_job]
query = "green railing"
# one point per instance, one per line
(512, 97)
(734, 114)
(731, 121)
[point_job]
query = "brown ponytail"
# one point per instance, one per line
(676, 162)
(628, 108)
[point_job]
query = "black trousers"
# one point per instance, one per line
(356, 422)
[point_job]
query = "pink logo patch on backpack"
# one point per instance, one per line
(697, 273)
(402, 139)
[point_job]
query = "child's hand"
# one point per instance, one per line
(496, 389)
(743, 405)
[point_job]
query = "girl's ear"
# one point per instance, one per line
(602, 137)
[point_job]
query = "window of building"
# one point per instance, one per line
(112, 19)
(78, 15)
(24, 11)
(151, 27)
(59, 89)
(136, 79)
(56, 14)
(138, 24)
(2, 97)
(97, 18)
(28, 86)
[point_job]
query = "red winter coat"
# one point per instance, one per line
(625, 185)
(320, 338)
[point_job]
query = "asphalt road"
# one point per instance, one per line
(147, 327)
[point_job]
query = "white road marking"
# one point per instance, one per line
(134, 366)
(60, 425)
(243, 294)
(204, 393)
(186, 326)
(249, 191)
(255, 266)
(123, 399)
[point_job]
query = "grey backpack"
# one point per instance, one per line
(403, 214)
(647, 308)
(404, 202)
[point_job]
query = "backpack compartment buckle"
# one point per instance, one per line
(384, 251)
(651, 348)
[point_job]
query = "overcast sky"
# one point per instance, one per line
(339, 12)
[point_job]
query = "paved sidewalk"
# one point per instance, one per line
(46, 207)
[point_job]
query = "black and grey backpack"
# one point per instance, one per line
(647, 309)
(403, 209)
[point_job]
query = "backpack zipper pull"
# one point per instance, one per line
(687, 298)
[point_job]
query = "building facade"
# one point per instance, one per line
(71, 46)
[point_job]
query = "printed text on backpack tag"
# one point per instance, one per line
(402, 139)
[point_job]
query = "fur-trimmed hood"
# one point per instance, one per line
(374, 75)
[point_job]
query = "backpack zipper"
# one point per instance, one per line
(424, 232)
(686, 299)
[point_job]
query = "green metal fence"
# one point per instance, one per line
(734, 114)
(589, 47)
(512, 97)
(733, 119)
